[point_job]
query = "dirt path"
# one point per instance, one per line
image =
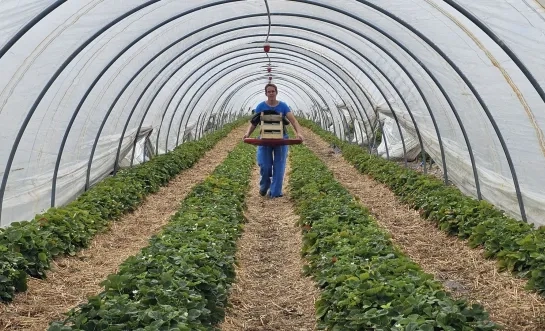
(463, 271)
(73, 279)
(270, 292)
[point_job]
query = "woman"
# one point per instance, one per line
(272, 160)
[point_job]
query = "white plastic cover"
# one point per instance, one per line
(206, 67)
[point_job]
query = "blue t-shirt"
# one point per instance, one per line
(282, 109)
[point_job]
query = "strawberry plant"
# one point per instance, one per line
(181, 280)
(366, 282)
(518, 247)
(31, 245)
(12, 274)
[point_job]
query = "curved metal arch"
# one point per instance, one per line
(292, 50)
(190, 76)
(328, 73)
(477, 182)
(371, 79)
(114, 59)
(127, 85)
(223, 108)
(455, 68)
(233, 93)
(244, 77)
(94, 146)
(334, 74)
(419, 136)
(88, 168)
(356, 85)
(241, 62)
(57, 73)
(13, 40)
(334, 88)
(221, 71)
(501, 44)
(362, 71)
(287, 92)
(378, 87)
(417, 86)
(297, 109)
(363, 91)
(149, 104)
(313, 101)
(422, 65)
(293, 94)
(259, 91)
(236, 90)
(475, 93)
(341, 69)
(180, 85)
(357, 96)
(203, 127)
(246, 101)
(521, 69)
(278, 61)
(183, 115)
(257, 79)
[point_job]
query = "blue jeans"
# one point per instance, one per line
(272, 163)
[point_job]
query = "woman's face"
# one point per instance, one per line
(271, 93)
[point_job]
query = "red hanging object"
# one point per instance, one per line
(269, 69)
(267, 48)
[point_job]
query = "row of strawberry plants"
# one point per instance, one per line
(366, 282)
(518, 247)
(28, 247)
(181, 280)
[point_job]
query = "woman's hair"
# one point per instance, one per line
(271, 85)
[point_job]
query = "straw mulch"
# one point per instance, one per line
(73, 279)
(270, 292)
(463, 271)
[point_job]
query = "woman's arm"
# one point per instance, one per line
(249, 131)
(295, 124)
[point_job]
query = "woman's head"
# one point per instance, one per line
(271, 91)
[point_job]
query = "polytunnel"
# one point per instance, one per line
(86, 84)
(92, 89)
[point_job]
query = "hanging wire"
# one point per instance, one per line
(269, 29)
(269, 17)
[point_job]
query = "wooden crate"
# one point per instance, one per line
(272, 127)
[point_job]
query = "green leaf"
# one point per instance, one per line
(42, 257)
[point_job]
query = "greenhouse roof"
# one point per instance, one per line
(88, 86)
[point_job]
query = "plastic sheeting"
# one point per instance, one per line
(93, 71)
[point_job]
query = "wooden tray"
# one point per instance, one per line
(272, 142)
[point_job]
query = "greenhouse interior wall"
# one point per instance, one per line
(91, 87)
